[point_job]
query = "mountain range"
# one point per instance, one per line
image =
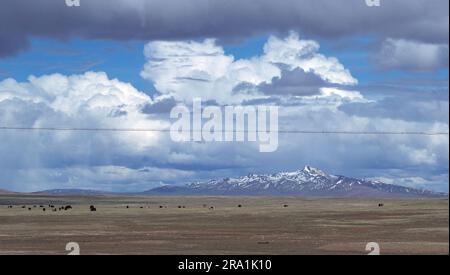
(306, 182)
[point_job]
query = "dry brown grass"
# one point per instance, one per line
(260, 226)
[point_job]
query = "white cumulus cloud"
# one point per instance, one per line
(202, 69)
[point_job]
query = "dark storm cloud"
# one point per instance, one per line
(296, 82)
(160, 107)
(420, 20)
(9, 43)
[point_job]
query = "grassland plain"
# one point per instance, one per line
(222, 225)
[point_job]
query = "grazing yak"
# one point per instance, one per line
(92, 208)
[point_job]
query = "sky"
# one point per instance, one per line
(328, 65)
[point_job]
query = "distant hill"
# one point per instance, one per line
(308, 182)
(5, 192)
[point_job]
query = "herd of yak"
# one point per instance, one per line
(51, 207)
(92, 208)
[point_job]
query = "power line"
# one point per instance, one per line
(312, 132)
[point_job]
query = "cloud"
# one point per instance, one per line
(36, 160)
(123, 161)
(437, 182)
(161, 105)
(91, 100)
(295, 53)
(361, 152)
(295, 82)
(201, 69)
(408, 108)
(105, 178)
(425, 21)
(90, 91)
(9, 44)
(348, 95)
(130, 161)
(412, 56)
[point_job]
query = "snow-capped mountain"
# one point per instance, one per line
(308, 182)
